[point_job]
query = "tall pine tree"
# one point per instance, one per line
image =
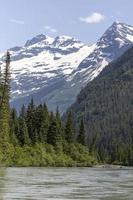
(30, 121)
(4, 101)
(81, 136)
(69, 129)
(53, 136)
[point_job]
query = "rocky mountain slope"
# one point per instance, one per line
(55, 69)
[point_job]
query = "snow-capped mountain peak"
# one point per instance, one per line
(119, 33)
(116, 39)
(64, 41)
(63, 38)
(55, 69)
(114, 42)
(38, 39)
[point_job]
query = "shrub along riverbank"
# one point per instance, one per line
(44, 155)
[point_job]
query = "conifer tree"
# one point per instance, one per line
(30, 120)
(38, 121)
(23, 111)
(60, 124)
(14, 127)
(81, 136)
(53, 136)
(41, 122)
(69, 129)
(44, 125)
(58, 114)
(4, 101)
(23, 136)
(45, 122)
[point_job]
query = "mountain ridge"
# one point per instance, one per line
(55, 69)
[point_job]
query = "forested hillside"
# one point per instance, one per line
(106, 107)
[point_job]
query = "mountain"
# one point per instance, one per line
(54, 70)
(41, 67)
(106, 106)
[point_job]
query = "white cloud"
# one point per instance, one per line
(21, 22)
(49, 28)
(95, 17)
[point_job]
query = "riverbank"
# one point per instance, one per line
(44, 155)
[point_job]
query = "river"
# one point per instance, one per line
(66, 183)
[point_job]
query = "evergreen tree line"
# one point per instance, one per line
(36, 124)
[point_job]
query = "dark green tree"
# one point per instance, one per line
(30, 121)
(53, 136)
(4, 101)
(41, 122)
(23, 111)
(60, 124)
(23, 136)
(69, 129)
(81, 135)
(14, 127)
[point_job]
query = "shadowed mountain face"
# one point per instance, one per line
(106, 106)
(55, 69)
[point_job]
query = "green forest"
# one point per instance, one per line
(106, 106)
(36, 136)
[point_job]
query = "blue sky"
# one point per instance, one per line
(84, 19)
